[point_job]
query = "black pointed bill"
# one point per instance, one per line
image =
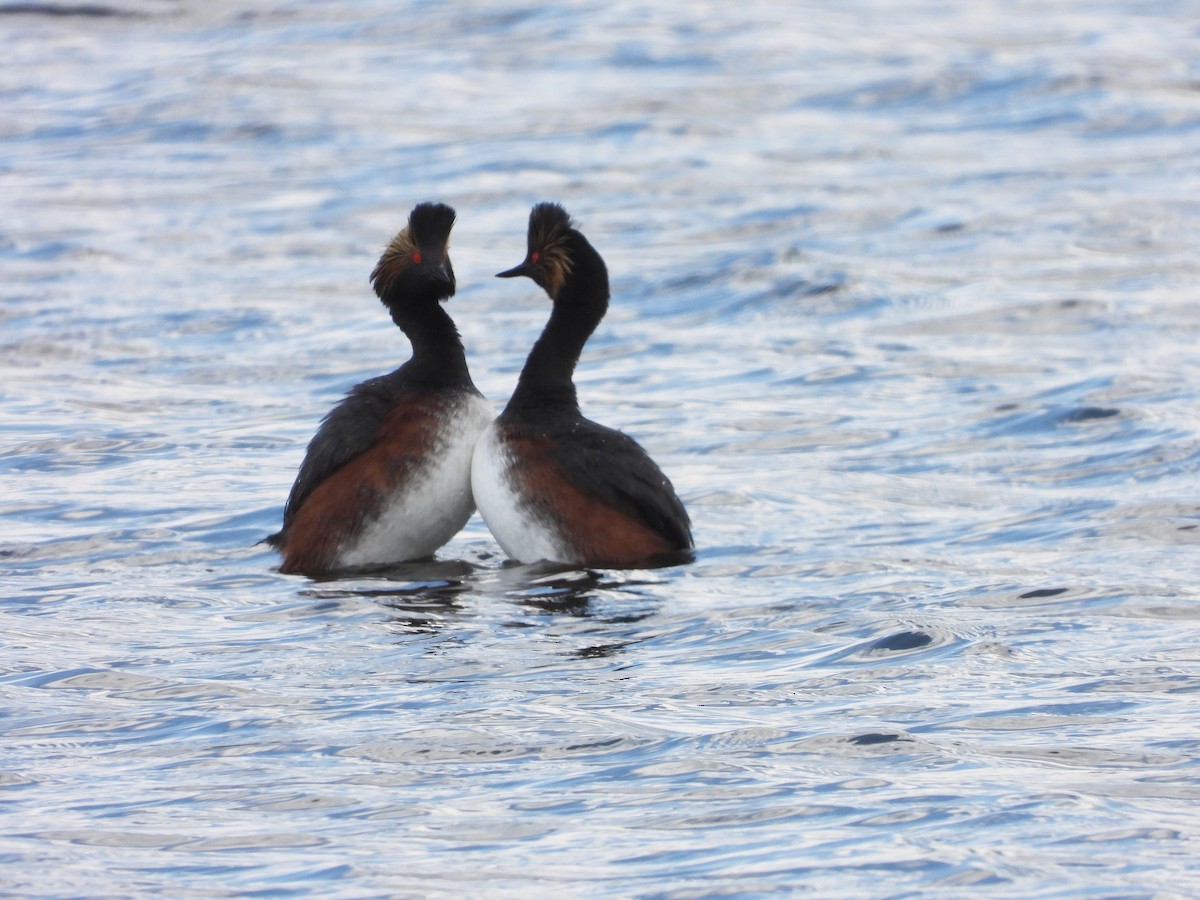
(525, 268)
(443, 272)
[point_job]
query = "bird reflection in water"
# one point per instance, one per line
(430, 596)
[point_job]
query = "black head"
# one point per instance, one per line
(556, 251)
(416, 264)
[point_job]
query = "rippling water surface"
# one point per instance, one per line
(905, 302)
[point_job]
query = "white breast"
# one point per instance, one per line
(520, 534)
(436, 501)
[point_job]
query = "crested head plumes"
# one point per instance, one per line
(431, 223)
(427, 232)
(548, 221)
(549, 228)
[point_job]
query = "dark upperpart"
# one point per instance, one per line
(564, 264)
(412, 278)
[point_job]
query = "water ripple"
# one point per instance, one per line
(903, 305)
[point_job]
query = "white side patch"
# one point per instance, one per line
(520, 535)
(434, 504)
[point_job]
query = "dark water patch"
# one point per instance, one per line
(908, 647)
(873, 738)
(1042, 592)
(72, 11)
(601, 651)
(903, 640)
(1014, 420)
(1065, 600)
(1089, 413)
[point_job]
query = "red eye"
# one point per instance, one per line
(534, 256)
(417, 257)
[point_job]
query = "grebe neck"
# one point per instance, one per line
(437, 349)
(547, 380)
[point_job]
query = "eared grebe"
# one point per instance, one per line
(387, 478)
(550, 484)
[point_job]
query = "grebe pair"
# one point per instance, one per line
(398, 466)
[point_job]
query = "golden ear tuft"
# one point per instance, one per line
(397, 257)
(549, 227)
(556, 264)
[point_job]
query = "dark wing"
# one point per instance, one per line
(346, 432)
(612, 466)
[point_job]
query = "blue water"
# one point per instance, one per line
(905, 303)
